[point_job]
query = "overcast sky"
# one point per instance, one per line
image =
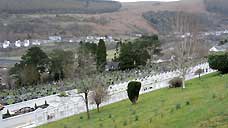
(145, 0)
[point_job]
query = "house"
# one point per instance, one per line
(55, 38)
(218, 33)
(225, 32)
(6, 44)
(221, 48)
(26, 43)
(18, 44)
(35, 42)
(111, 66)
(138, 35)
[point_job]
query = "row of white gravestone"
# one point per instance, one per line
(153, 79)
(149, 83)
(117, 93)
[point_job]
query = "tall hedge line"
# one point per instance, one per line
(219, 61)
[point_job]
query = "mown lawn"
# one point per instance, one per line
(203, 104)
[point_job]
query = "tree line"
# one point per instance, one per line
(137, 53)
(37, 67)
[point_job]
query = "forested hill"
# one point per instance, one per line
(58, 6)
(217, 6)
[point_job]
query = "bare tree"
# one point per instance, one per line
(99, 94)
(189, 46)
(85, 73)
(199, 72)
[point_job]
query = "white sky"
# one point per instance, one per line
(145, 0)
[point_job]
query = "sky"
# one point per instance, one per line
(145, 0)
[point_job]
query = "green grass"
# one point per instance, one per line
(203, 104)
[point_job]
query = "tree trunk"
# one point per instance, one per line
(87, 105)
(98, 108)
(183, 82)
(183, 78)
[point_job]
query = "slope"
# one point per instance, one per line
(202, 104)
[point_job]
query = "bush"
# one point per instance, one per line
(187, 102)
(136, 118)
(10, 101)
(110, 116)
(178, 106)
(175, 82)
(199, 72)
(125, 123)
(150, 120)
(63, 94)
(133, 89)
(133, 112)
(219, 61)
(101, 125)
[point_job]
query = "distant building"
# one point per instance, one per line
(36, 42)
(55, 38)
(225, 32)
(6, 44)
(218, 33)
(221, 48)
(138, 35)
(18, 44)
(26, 43)
(111, 66)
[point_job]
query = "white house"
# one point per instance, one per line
(18, 43)
(225, 32)
(89, 37)
(35, 42)
(55, 38)
(26, 43)
(218, 33)
(138, 35)
(183, 36)
(219, 48)
(6, 44)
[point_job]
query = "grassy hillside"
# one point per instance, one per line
(58, 6)
(202, 104)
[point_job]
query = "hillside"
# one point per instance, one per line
(163, 20)
(202, 104)
(58, 6)
(217, 6)
(128, 20)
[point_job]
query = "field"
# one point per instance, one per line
(202, 104)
